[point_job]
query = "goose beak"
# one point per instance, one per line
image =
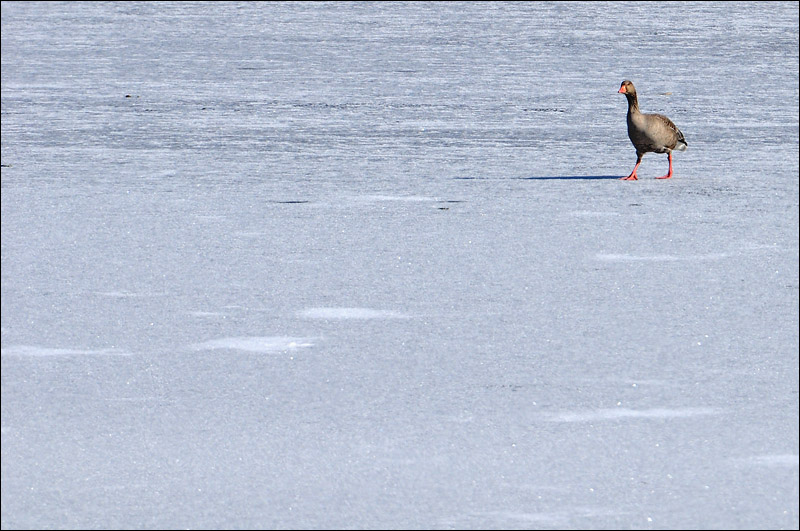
(622, 90)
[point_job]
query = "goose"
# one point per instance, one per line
(650, 132)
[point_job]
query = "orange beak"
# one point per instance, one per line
(622, 90)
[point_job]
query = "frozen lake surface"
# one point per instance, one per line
(369, 265)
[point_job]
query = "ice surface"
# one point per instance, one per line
(369, 265)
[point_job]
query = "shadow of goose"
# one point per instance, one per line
(571, 178)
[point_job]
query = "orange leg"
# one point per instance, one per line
(632, 176)
(669, 173)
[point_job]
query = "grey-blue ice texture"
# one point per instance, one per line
(369, 265)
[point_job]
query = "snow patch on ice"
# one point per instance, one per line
(128, 294)
(540, 518)
(657, 257)
(780, 460)
(621, 413)
(395, 198)
(350, 313)
(549, 519)
(592, 214)
(36, 351)
(211, 218)
(254, 344)
(207, 314)
(164, 173)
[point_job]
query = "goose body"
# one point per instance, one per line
(650, 133)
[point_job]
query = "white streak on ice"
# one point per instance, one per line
(549, 519)
(779, 460)
(592, 214)
(350, 313)
(657, 257)
(254, 344)
(395, 198)
(35, 351)
(207, 314)
(621, 413)
(128, 294)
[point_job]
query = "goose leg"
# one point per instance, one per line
(669, 173)
(632, 176)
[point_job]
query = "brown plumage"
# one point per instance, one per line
(650, 132)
